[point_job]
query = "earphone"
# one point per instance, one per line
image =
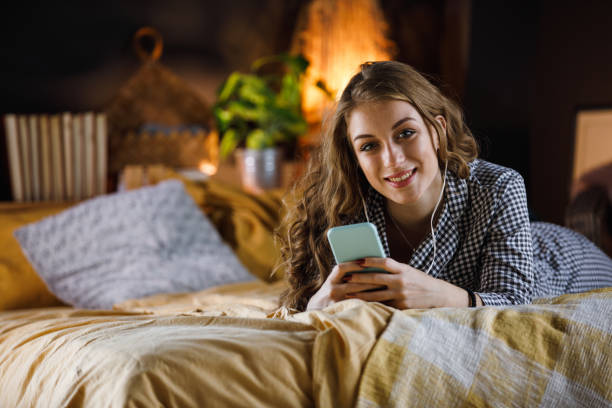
(365, 209)
(433, 214)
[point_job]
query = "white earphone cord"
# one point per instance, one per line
(433, 233)
(365, 210)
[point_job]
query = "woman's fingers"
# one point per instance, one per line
(382, 295)
(341, 291)
(349, 288)
(342, 269)
(376, 278)
(387, 264)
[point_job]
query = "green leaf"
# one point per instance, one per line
(279, 137)
(255, 90)
(290, 94)
(229, 142)
(289, 122)
(223, 117)
(261, 110)
(323, 87)
(297, 127)
(259, 139)
(244, 110)
(228, 87)
(297, 63)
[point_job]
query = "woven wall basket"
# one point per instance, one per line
(154, 96)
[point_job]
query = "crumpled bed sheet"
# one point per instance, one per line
(222, 347)
(212, 348)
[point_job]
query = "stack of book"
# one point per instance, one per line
(56, 157)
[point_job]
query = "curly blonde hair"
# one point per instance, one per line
(330, 192)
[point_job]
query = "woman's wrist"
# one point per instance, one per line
(453, 296)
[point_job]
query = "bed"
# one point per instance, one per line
(231, 344)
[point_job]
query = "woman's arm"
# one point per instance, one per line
(406, 287)
(507, 272)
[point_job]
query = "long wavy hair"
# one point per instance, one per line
(332, 188)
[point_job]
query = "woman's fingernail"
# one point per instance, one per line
(347, 278)
(360, 262)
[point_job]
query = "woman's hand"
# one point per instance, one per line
(406, 287)
(336, 286)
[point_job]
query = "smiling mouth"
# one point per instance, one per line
(401, 176)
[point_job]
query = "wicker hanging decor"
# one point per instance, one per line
(156, 118)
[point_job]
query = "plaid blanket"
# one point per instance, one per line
(554, 353)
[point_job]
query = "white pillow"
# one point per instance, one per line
(128, 245)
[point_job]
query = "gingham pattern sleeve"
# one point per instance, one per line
(486, 243)
(507, 273)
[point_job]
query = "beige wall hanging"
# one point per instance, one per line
(156, 118)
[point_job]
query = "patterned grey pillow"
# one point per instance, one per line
(129, 245)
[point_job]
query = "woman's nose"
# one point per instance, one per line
(393, 154)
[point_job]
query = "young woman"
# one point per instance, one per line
(455, 229)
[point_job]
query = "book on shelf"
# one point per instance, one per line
(88, 154)
(68, 165)
(77, 156)
(56, 157)
(34, 157)
(101, 153)
(24, 152)
(45, 158)
(57, 169)
(14, 157)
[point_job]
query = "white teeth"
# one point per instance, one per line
(404, 177)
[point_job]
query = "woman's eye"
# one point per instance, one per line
(406, 133)
(366, 147)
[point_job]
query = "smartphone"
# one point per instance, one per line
(356, 241)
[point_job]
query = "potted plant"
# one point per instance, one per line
(259, 113)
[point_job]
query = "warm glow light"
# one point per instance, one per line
(211, 163)
(207, 167)
(338, 36)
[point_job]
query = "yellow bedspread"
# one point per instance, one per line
(211, 348)
(221, 347)
(556, 353)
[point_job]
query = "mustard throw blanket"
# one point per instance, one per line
(226, 347)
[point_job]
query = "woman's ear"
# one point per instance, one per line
(442, 122)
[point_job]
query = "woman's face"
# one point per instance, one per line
(396, 150)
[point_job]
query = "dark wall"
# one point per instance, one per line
(573, 69)
(74, 56)
(532, 64)
(500, 77)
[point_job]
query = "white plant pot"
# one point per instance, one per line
(260, 169)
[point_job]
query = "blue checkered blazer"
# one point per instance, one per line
(485, 242)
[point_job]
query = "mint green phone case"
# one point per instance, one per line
(355, 241)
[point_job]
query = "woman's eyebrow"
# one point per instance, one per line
(398, 123)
